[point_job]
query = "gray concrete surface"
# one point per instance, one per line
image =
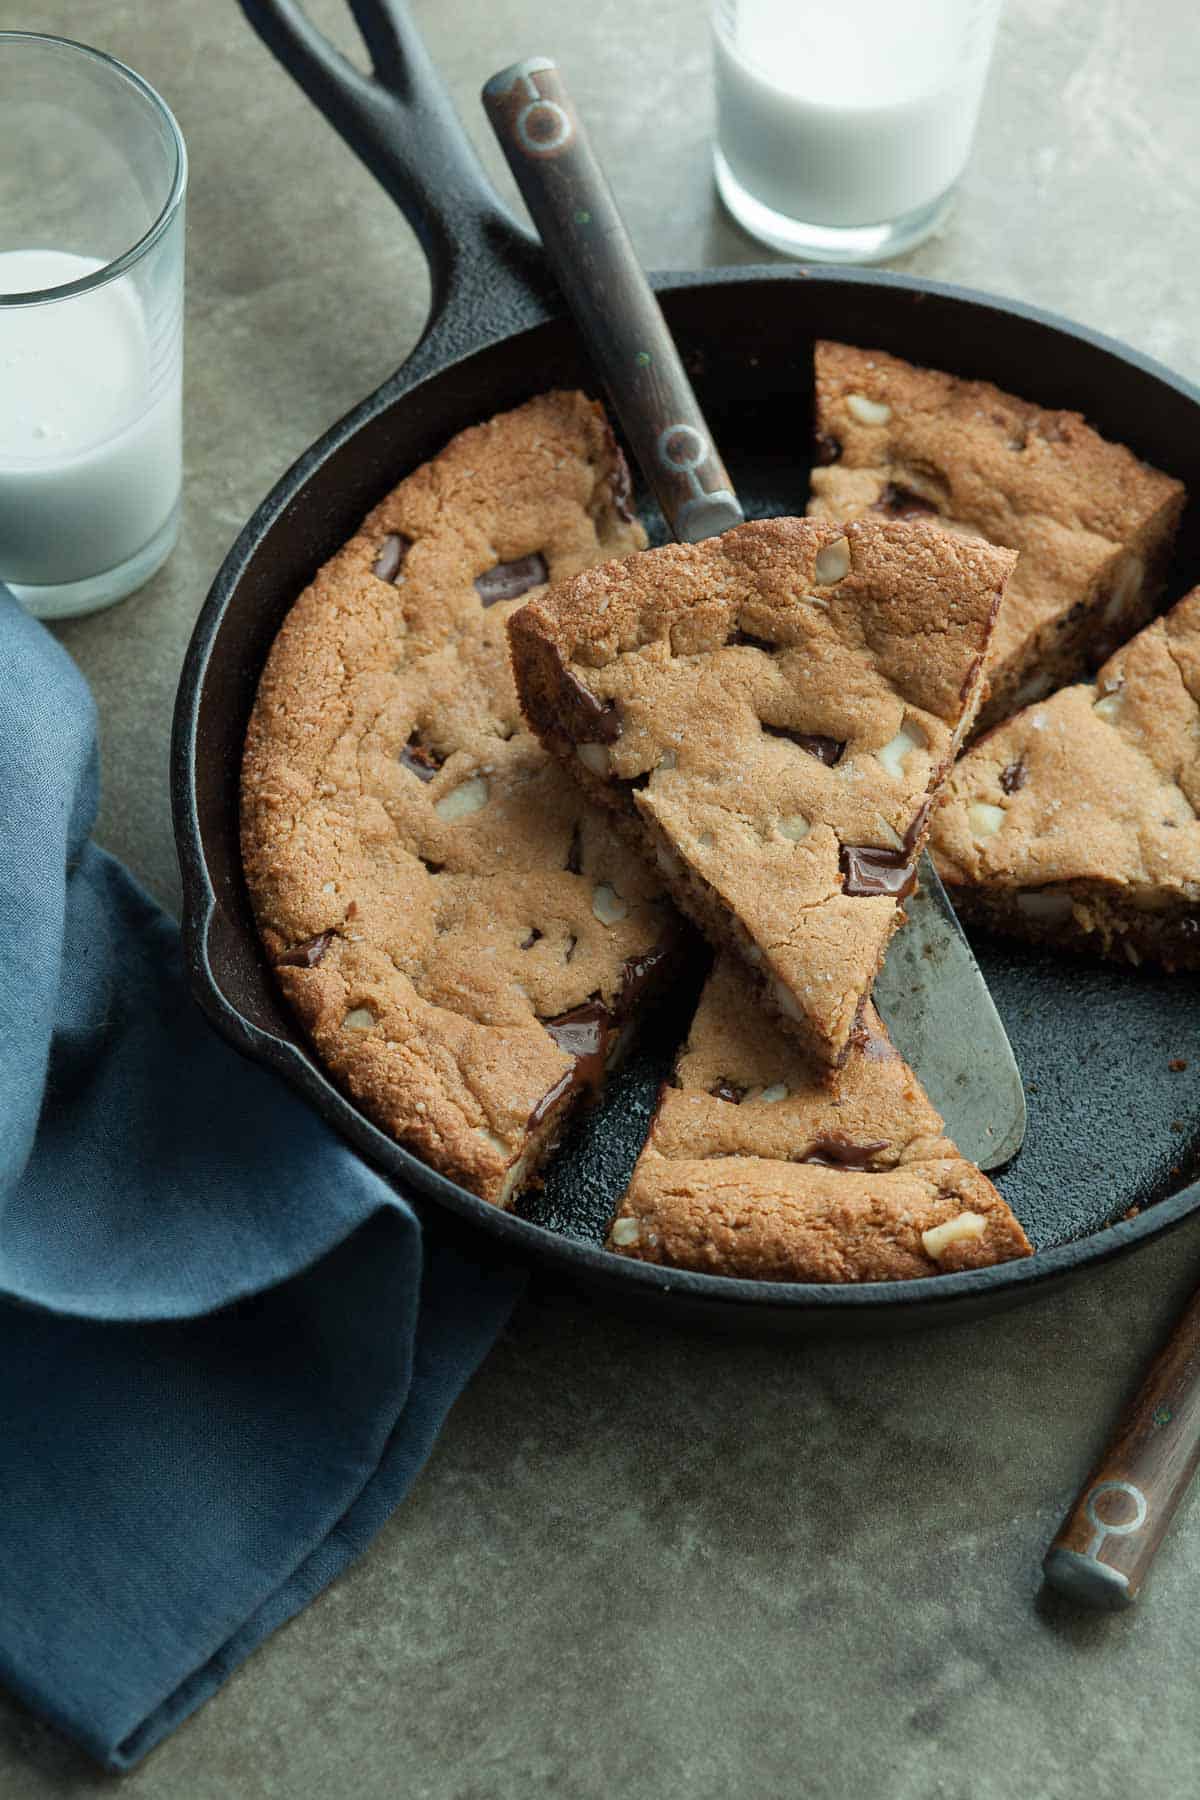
(638, 1564)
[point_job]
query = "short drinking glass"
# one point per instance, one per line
(92, 178)
(843, 129)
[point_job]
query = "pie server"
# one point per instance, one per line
(930, 990)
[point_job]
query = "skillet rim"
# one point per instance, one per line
(589, 1263)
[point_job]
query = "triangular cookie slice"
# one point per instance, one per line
(759, 1165)
(1094, 526)
(1075, 822)
(770, 714)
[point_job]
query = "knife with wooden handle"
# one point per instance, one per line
(930, 990)
(1107, 1542)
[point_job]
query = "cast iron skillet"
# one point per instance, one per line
(1111, 1126)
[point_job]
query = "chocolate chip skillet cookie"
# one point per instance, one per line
(458, 930)
(1093, 525)
(771, 713)
(760, 1164)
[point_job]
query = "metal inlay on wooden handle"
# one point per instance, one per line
(610, 299)
(1107, 1542)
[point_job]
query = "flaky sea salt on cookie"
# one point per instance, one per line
(760, 1165)
(769, 716)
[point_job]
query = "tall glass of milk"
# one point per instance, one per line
(842, 129)
(92, 178)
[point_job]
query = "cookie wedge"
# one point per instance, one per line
(1093, 525)
(1075, 823)
(758, 1165)
(456, 927)
(770, 715)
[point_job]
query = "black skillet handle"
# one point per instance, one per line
(487, 274)
(609, 297)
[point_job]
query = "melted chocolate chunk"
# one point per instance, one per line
(827, 750)
(534, 937)
(752, 643)
(902, 503)
(639, 972)
(420, 760)
(509, 580)
(838, 1153)
(392, 554)
(1013, 777)
(868, 870)
(827, 449)
(306, 955)
(728, 1090)
(586, 719)
(874, 1045)
(584, 1034)
(968, 680)
(574, 862)
(619, 483)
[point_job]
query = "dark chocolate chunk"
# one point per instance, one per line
(619, 482)
(1013, 777)
(392, 554)
(728, 1090)
(968, 680)
(574, 862)
(868, 870)
(839, 1153)
(584, 1033)
(586, 719)
(827, 450)
(639, 972)
(433, 868)
(508, 580)
(306, 955)
(534, 937)
(420, 760)
(751, 642)
(827, 750)
(902, 503)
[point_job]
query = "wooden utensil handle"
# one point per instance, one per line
(593, 260)
(1107, 1542)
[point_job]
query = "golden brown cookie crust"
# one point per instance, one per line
(437, 883)
(764, 711)
(1092, 524)
(722, 1185)
(1075, 822)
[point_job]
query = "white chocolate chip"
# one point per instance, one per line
(1125, 588)
(706, 840)
(938, 1239)
(626, 1232)
(984, 819)
(867, 412)
(492, 1141)
(909, 737)
(359, 1018)
(786, 1002)
(777, 1091)
(1110, 706)
(891, 837)
(329, 888)
(1045, 907)
(608, 905)
(667, 760)
(832, 562)
(1036, 688)
(1131, 955)
(593, 757)
(514, 1180)
(460, 802)
(794, 826)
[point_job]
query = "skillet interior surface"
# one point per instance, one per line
(1111, 1124)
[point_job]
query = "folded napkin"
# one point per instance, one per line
(226, 1346)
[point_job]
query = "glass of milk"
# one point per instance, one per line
(92, 178)
(842, 129)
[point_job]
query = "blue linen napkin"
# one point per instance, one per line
(226, 1345)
